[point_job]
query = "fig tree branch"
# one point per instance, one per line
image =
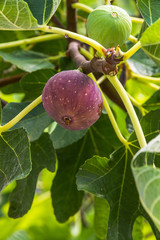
(9, 80)
(95, 65)
(57, 22)
(71, 16)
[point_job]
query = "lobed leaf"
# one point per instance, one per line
(15, 162)
(43, 156)
(16, 15)
(64, 190)
(112, 179)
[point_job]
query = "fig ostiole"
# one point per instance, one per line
(72, 99)
(109, 25)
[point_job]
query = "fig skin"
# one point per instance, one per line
(72, 99)
(109, 25)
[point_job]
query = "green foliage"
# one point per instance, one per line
(147, 178)
(28, 61)
(149, 10)
(35, 122)
(112, 179)
(150, 41)
(43, 10)
(15, 15)
(75, 185)
(33, 83)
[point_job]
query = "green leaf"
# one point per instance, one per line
(153, 102)
(112, 179)
(64, 190)
(149, 10)
(62, 137)
(147, 177)
(34, 122)
(16, 15)
(15, 160)
(43, 156)
(33, 83)
(102, 210)
(143, 64)
(28, 61)
(150, 41)
(43, 10)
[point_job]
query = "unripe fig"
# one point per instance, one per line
(109, 25)
(72, 99)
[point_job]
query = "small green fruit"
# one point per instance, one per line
(109, 25)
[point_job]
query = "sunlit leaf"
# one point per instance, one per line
(150, 41)
(147, 177)
(16, 15)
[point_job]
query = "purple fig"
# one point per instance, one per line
(72, 99)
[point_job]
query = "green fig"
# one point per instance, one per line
(109, 25)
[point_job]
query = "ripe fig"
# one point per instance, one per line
(109, 25)
(72, 99)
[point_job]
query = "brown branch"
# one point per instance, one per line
(71, 17)
(97, 66)
(3, 103)
(9, 80)
(57, 22)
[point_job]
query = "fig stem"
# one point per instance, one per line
(85, 53)
(132, 51)
(123, 94)
(145, 78)
(137, 20)
(22, 114)
(133, 39)
(76, 36)
(110, 114)
(82, 6)
(47, 37)
(151, 85)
